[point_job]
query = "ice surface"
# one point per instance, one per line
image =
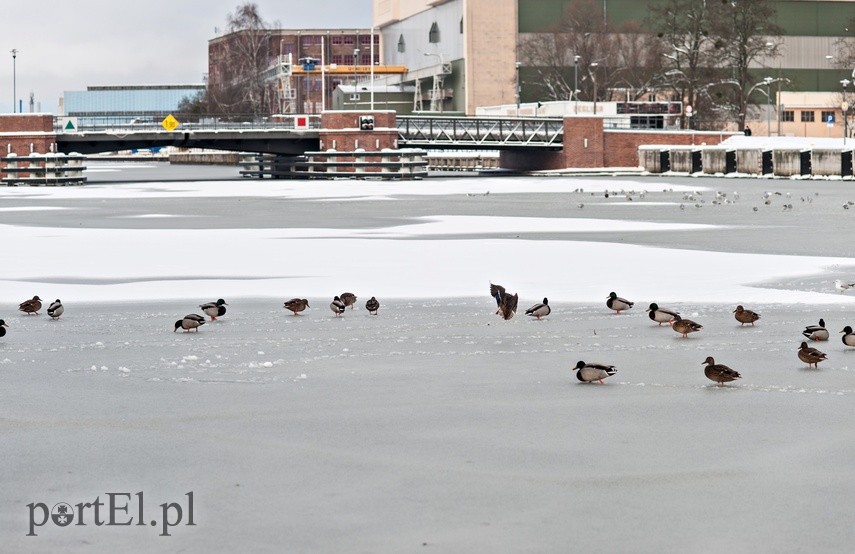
(435, 424)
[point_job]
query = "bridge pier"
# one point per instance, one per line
(348, 131)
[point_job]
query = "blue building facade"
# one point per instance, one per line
(126, 104)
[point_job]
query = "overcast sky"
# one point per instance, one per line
(69, 45)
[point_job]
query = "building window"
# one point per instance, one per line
(376, 39)
(433, 35)
(364, 39)
(826, 115)
(807, 117)
(788, 115)
(308, 40)
(349, 39)
(336, 39)
(337, 59)
(366, 59)
(287, 49)
(402, 46)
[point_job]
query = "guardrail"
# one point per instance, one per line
(128, 124)
(478, 131)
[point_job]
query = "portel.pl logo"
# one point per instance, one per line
(116, 511)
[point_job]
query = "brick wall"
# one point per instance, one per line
(587, 145)
(621, 147)
(340, 131)
(22, 134)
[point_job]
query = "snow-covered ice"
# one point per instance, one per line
(435, 424)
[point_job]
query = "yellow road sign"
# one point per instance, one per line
(169, 123)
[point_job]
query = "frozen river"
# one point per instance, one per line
(434, 426)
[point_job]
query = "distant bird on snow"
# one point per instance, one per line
(3, 328)
(719, 373)
(31, 306)
(372, 306)
(816, 332)
(848, 336)
(744, 316)
(842, 286)
(296, 305)
(55, 309)
(214, 309)
(540, 310)
(588, 373)
(617, 303)
(810, 356)
(337, 306)
(506, 303)
(348, 299)
(190, 321)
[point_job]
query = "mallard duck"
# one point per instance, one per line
(348, 299)
(843, 286)
(55, 309)
(719, 373)
(588, 373)
(816, 332)
(617, 303)
(31, 306)
(848, 336)
(540, 310)
(661, 315)
(744, 316)
(337, 306)
(3, 328)
(190, 321)
(296, 305)
(811, 356)
(214, 309)
(685, 326)
(507, 303)
(372, 306)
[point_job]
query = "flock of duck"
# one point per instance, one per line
(589, 372)
(507, 306)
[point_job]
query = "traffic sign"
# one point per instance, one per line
(170, 123)
(68, 124)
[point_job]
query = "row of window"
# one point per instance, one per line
(309, 40)
(807, 116)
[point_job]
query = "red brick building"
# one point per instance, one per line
(297, 91)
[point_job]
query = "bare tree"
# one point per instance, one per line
(745, 33)
(583, 57)
(247, 53)
(685, 31)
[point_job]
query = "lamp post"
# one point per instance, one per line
(14, 80)
(355, 63)
(768, 82)
(576, 59)
(844, 107)
(517, 90)
(591, 69)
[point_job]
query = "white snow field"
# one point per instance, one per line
(435, 425)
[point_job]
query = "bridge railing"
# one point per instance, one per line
(126, 123)
(481, 131)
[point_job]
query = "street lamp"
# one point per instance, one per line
(517, 95)
(593, 66)
(14, 80)
(576, 59)
(768, 82)
(844, 107)
(355, 63)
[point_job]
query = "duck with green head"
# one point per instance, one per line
(617, 303)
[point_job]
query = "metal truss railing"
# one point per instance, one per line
(481, 132)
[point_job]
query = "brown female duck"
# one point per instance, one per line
(811, 356)
(719, 373)
(744, 316)
(685, 326)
